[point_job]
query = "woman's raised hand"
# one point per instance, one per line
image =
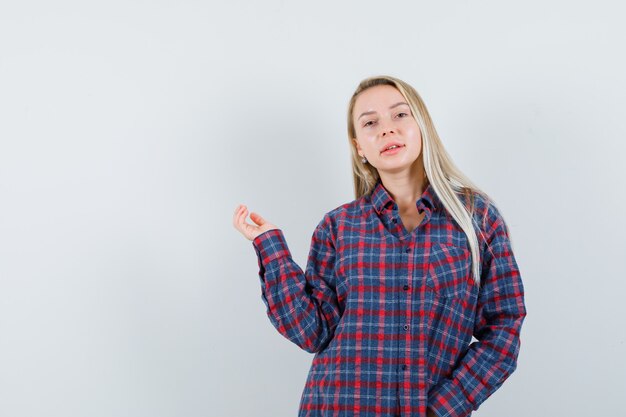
(250, 231)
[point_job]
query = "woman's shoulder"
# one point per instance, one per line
(341, 214)
(485, 211)
(346, 209)
(478, 201)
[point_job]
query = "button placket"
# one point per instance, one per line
(407, 249)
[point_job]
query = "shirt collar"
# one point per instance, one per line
(380, 198)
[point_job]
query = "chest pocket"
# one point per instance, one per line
(449, 269)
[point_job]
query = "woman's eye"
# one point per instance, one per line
(403, 114)
(368, 123)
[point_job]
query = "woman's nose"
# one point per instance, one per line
(386, 128)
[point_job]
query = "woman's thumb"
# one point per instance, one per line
(257, 218)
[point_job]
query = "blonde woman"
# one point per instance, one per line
(411, 299)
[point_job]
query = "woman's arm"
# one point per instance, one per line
(499, 316)
(302, 306)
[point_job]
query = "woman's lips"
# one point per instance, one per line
(392, 151)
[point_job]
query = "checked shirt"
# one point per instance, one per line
(390, 313)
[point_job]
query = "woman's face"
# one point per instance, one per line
(382, 117)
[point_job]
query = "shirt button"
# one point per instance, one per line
(395, 220)
(404, 367)
(406, 287)
(408, 248)
(406, 327)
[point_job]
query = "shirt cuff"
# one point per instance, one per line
(448, 400)
(270, 245)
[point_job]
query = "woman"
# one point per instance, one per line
(399, 280)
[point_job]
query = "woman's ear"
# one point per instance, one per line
(356, 144)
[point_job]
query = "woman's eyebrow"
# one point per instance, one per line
(372, 112)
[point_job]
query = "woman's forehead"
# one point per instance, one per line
(378, 99)
(380, 96)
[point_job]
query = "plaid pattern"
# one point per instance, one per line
(390, 313)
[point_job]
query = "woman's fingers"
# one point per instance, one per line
(237, 215)
(240, 218)
(240, 223)
(250, 231)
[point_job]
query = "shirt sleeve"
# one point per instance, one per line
(490, 360)
(302, 306)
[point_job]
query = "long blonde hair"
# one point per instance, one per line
(446, 179)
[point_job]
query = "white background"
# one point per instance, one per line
(130, 130)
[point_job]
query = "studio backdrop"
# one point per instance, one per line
(131, 130)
